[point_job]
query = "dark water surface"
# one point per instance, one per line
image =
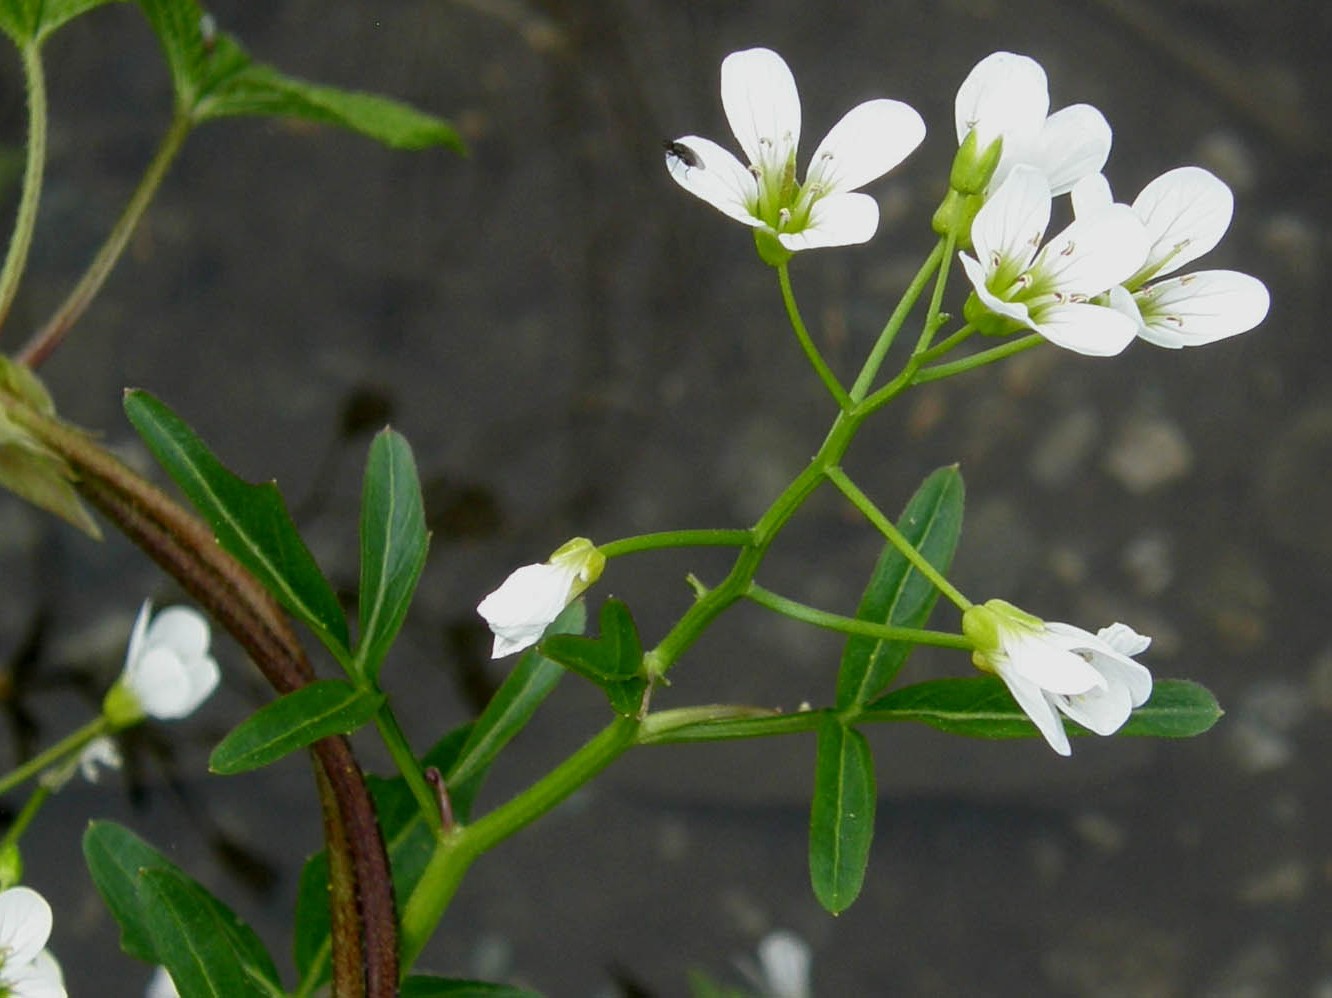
(575, 346)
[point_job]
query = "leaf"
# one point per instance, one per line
(120, 863)
(293, 721)
(394, 541)
(841, 817)
(31, 21)
(514, 703)
(897, 593)
(196, 939)
(214, 77)
(439, 987)
(982, 707)
(614, 661)
(250, 521)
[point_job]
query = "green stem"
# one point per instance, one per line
(821, 367)
(67, 746)
(885, 526)
(675, 539)
(941, 371)
(48, 338)
(405, 759)
(26, 221)
(721, 722)
(455, 850)
(852, 625)
(932, 315)
(950, 343)
(909, 298)
(24, 819)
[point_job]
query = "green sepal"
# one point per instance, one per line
(160, 909)
(214, 77)
(32, 21)
(982, 707)
(394, 544)
(614, 660)
(841, 815)
(250, 521)
(897, 594)
(293, 721)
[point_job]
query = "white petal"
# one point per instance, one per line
(1073, 143)
(785, 960)
(836, 220)
(1037, 706)
(1016, 311)
(25, 925)
(524, 605)
(183, 630)
(1093, 330)
(1101, 711)
(719, 178)
(1013, 219)
(1005, 94)
(1124, 639)
(1187, 209)
(762, 104)
(1111, 650)
(139, 633)
(42, 978)
(161, 684)
(161, 985)
(1091, 195)
(1201, 308)
(1049, 666)
(1093, 254)
(870, 140)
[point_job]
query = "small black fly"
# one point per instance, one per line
(687, 156)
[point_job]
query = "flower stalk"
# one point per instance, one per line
(26, 221)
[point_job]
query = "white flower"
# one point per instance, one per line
(763, 107)
(1049, 290)
(27, 970)
(161, 985)
(521, 609)
(1006, 96)
(1186, 212)
(1053, 668)
(168, 671)
(783, 970)
(99, 753)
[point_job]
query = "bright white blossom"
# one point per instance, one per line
(27, 969)
(161, 985)
(168, 671)
(1053, 668)
(1185, 212)
(783, 966)
(763, 107)
(1050, 290)
(530, 599)
(1006, 97)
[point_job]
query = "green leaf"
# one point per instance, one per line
(214, 77)
(438, 987)
(394, 541)
(982, 707)
(514, 703)
(197, 939)
(897, 593)
(120, 864)
(614, 661)
(841, 816)
(33, 20)
(250, 521)
(324, 707)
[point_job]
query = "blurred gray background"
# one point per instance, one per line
(575, 346)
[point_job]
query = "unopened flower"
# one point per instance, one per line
(27, 970)
(530, 599)
(1006, 97)
(1053, 668)
(763, 107)
(1185, 211)
(168, 672)
(1020, 284)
